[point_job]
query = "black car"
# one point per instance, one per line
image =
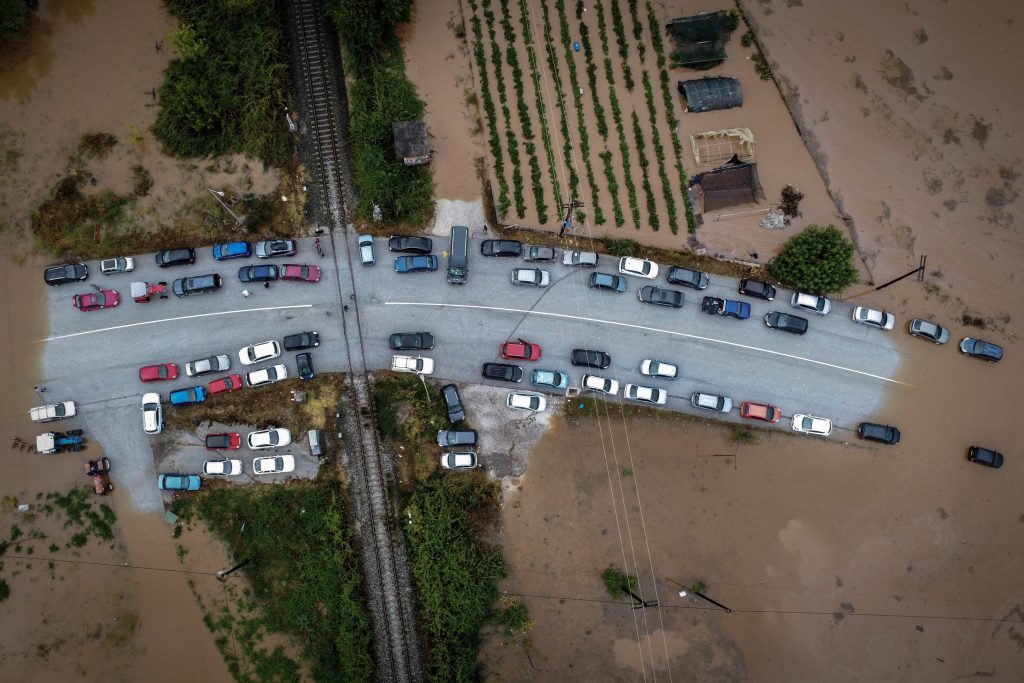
(757, 289)
(456, 437)
(793, 324)
(688, 278)
(590, 359)
(410, 243)
(672, 298)
(453, 403)
(879, 433)
(615, 283)
(304, 362)
(201, 284)
(411, 341)
(981, 349)
(184, 256)
(302, 340)
(501, 248)
(62, 275)
(535, 253)
(984, 456)
(503, 372)
(257, 273)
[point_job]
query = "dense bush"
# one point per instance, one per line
(818, 260)
(14, 16)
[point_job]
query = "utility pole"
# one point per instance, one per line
(218, 195)
(569, 208)
(224, 572)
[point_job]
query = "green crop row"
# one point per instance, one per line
(652, 208)
(620, 38)
(602, 126)
(638, 29)
(574, 179)
(492, 119)
(549, 150)
(510, 136)
(659, 154)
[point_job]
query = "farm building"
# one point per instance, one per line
(730, 185)
(711, 93)
(699, 40)
(411, 143)
(716, 146)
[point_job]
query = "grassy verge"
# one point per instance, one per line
(411, 421)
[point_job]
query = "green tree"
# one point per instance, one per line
(14, 15)
(818, 260)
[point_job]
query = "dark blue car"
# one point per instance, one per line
(415, 264)
(257, 273)
(230, 250)
(184, 397)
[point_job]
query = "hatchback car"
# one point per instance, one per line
(638, 392)
(688, 278)
(152, 414)
(879, 433)
(465, 460)
(984, 350)
(501, 248)
(456, 437)
(520, 350)
(502, 372)
(230, 250)
(120, 264)
(257, 353)
(722, 404)
(304, 364)
(367, 255)
(453, 403)
(590, 359)
(416, 264)
(206, 366)
(66, 273)
(178, 482)
(273, 464)
(757, 289)
(266, 375)
(412, 244)
(275, 437)
(883, 320)
(184, 397)
(808, 424)
(658, 296)
(302, 340)
(95, 301)
(793, 324)
(222, 468)
(300, 272)
(639, 267)
(549, 378)
(658, 368)
(818, 305)
(929, 330)
(158, 373)
(411, 341)
(600, 384)
(712, 305)
(274, 248)
(583, 259)
(420, 365)
(531, 276)
(536, 253)
(201, 284)
(985, 456)
(760, 411)
(223, 441)
(260, 273)
(614, 283)
(526, 400)
(185, 256)
(226, 384)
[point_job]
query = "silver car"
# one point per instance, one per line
(530, 276)
(205, 366)
(722, 404)
(929, 330)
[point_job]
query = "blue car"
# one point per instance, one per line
(415, 264)
(229, 250)
(257, 273)
(184, 397)
(178, 482)
(550, 378)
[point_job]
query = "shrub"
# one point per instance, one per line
(790, 203)
(618, 583)
(747, 39)
(96, 145)
(818, 260)
(732, 20)
(14, 16)
(762, 67)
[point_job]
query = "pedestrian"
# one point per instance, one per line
(245, 293)
(345, 307)
(40, 389)
(485, 228)
(352, 296)
(266, 285)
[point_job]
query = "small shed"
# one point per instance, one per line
(699, 40)
(711, 93)
(412, 145)
(716, 146)
(730, 185)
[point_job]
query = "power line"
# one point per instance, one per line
(125, 565)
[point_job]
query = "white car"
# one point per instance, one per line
(638, 392)
(586, 259)
(657, 368)
(53, 411)
(808, 424)
(121, 264)
(531, 276)
(883, 320)
(267, 375)
(224, 468)
(459, 461)
(204, 366)
(366, 254)
(526, 400)
(418, 364)
(722, 404)
(273, 464)
(602, 384)
(274, 437)
(818, 305)
(639, 267)
(257, 353)
(152, 414)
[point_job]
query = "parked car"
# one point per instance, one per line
(984, 350)
(222, 468)
(503, 372)
(883, 320)
(120, 264)
(413, 244)
(411, 341)
(590, 359)
(658, 368)
(416, 264)
(638, 392)
(818, 305)
(257, 353)
(757, 289)
(456, 437)
(600, 384)
(639, 267)
(304, 364)
(225, 385)
(178, 482)
(615, 283)
(274, 248)
(549, 378)
(453, 403)
(302, 340)
(159, 372)
(183, 256)
(53, 411)
(929, 330)
(526, 400)
(258, 273)
(531, 276)
(463, 460)
(722, 404)
(223, 441)
(152, 413)
(65, 273)
(184, 397)
(230, 250)
(688, 278)
(367, 255)
(520, 350)
(266, 375)
(760, 411)
(420, 365)
(201, 284)
(300, 272)
(877, 432)
(273, 464)
(206, 366)
(501, 248)
(727, 307)
(95, 301)
(583, 259)
(275, 437)
(808, 424)
(536, 253)
(984, 456)
(793, 324)
(672, 298)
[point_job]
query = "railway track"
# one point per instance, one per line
(389, 589)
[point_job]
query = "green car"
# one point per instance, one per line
(549, 378)
(178, 482)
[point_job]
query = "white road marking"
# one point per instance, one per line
(171, 320)
(649, 329)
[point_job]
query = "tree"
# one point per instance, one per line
(818, 261)
(14, 15)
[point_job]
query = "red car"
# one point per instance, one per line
(227, 441)
(520, 350)
(94, 301)
(760, 411)
(156, 373)
(303, 273)
(224, 384)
